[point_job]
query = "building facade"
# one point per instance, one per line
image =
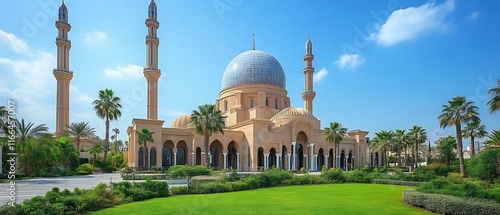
(262, 129)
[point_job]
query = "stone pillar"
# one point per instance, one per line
(326, 160)
(315, 162)
(313, 167)
(237, 161)
(305, 158)
(175, 158)
(266, 161)
(278, 161)
(294, 153)
(288, 161)
(225, 162)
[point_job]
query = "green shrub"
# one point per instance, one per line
(395, 182)
(445, 204)
(86, 167)
(440, 169)
(178, 190)
(334, 175)
(356, 176)
(140, 191)
(486, 165)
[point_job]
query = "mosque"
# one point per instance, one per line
(262, 129)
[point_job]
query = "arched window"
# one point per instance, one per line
(251, 103)
(225, 105)
(267, 102)
(260, 157)
(180, 160)
(215, 161)
(166, 157)
(152, 156)
(276, 103)
(198, 156)
(141, 156)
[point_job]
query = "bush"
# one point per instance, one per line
(444, 204)
(458, 186)
(485, 166)
(178, 190)
(357, 176)
(141, 191)
(396, 182)
(86, 167)
(334, 175)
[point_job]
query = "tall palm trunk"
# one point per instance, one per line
(472, 150)
(460, 149)
(416, 154)
(78, 149)
(146, 155)
(334, 153)
(399, 156)
(207, 152)
(106, 142)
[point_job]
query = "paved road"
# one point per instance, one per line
(26, 189)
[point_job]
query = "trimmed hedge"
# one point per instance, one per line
(445, 204)
(394, 182)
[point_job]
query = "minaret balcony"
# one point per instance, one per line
(153, 37)
(62, 24)
(62, 39)
(152, 69)
(152, 21)
(308, 95)
(64, 71)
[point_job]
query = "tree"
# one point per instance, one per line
(472, 130)
(400, 139)
(458, 111)
(107, 107)
(3, 115)
(446, 147)
(493, 138)
(418, 135)
(116, 147)
(116, 131)
(94, 150)
(188, 171)
(382, 141)
(24, 131)
(207, 120)
(486, 166)
(143, 137)
(334, 134)
(78, 131)
(494, 103)
(65, 151)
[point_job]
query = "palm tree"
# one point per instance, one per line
(446, 147)
(25, 131)
(79, 130)
(418, 135)
(107, 107)
(207, 120)
(458, 111)
(116, 131)
(3, 115)
(494, 103)
(400, 138)
(63, 144)
(117, 146)
(493, 138)
(94, 150)
(382, 141)
(143, 137)
(334, 134)
(472, 130)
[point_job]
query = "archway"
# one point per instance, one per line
(350, 160)
(232, 161)
(301, 139)
(272, 158)
(216, 155)
(181, 155)
(376, 159)
(260, 158)
(342, 159)
(198, 156)
(152, 157)
(167, 154)
(321, 159)
(141, 157)
(330, 158)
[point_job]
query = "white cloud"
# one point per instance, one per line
(127, 71)
(13, 42)
(349, 61)
(408, 24)
(473, 15)
(95, 36)
(320, 75)
(79, 96)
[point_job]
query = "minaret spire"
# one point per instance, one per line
(308, 94)
(62, 73)
(151, 71)
(253, 41)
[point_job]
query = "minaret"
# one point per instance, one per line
(308, 94)
(151, 71)
(61, 72)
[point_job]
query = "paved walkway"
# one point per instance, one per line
(26, 189)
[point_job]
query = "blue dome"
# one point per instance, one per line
(253, 67)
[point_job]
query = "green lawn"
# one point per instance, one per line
(311, 199)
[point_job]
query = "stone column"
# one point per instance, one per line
(305, 158)
(326, 160)
(266, 161)
(237, 161)
(288, 161)
(278, 161)
(294, 153)
(175, 158)
(225, 155)
(313, 167)
(315, 163)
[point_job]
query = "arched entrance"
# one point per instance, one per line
(181, 156)
(152, 157)
(198, 156)
(342, 160)
(260, 158)
(231, 155)
(167, 154)
(350, 160)
(216, 155)
(272, 158)
(301, 139)
(330, 158)
(321, 159)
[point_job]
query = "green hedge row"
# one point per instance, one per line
(445, 204)
(395, 182)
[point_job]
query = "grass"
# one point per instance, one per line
(310, 199)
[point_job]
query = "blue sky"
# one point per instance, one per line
(379, 64)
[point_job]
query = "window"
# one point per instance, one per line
(267, 102)
(166, 157)
(251, 103)
(180, 157)
(213, 153)
(276, 103)
(141, 156)
(64, 57)
(225, 105)
(152, 157)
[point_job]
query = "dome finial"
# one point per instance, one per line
(253, 41)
